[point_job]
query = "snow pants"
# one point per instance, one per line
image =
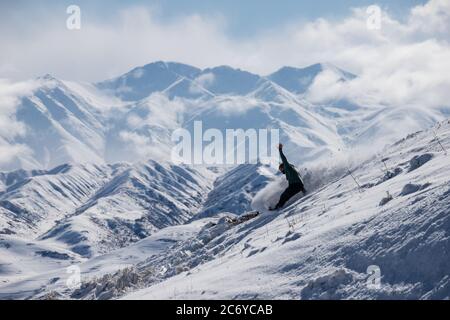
(291, 191)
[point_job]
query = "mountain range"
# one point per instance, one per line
(131, 117)
(95, 187)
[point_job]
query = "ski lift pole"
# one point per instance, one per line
(354, 179)
(439, 141)
(384, 162)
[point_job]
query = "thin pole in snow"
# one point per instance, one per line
(354, 179)
(439, 141)
(384, 162)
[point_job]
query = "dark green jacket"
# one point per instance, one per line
(291, 174)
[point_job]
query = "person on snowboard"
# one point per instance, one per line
(292, 176)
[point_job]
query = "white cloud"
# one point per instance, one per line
(135, 121)
(163, 116)
(432, 18)
(162, 111)
(10, 94)
(413, 74)
(142, 146)
(139, 141)
(138, 73)
(237, 105)
(100, 50)
(326, 87)
(203, 81)
(401, 64)
(10, 152)
(407, 61)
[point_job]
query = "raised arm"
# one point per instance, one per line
(283, 157)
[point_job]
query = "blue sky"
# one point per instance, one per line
(255, 35)
(250, 16)
(403, 62)
(244, 18)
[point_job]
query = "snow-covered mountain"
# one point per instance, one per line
(131, 117)
(141, 82)
(60, 127)
(234, 191)
(92, 209)
(390, 214)
(97, 189)
(298, 81)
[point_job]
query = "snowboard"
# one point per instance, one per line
(243, 218)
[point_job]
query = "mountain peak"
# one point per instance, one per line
(289, 70)
(159, 63)
(145, 80)
(48, 81)
(228, 80)
(160, 75)
(298, 80)
(47, 77)
(176, 67)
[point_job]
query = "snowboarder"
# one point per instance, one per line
(292, 176)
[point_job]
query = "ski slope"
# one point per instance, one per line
(319, 247)
(96, 190)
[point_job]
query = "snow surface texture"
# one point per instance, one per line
(319, 247)
(94, 209)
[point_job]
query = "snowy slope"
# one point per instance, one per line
(87, 194)
(24, 258)
(321, 246)
(132, 205)
(34, 269)
(33, 201)
(60, 126)
(234, 191)
(140, 82)
(90, 209)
